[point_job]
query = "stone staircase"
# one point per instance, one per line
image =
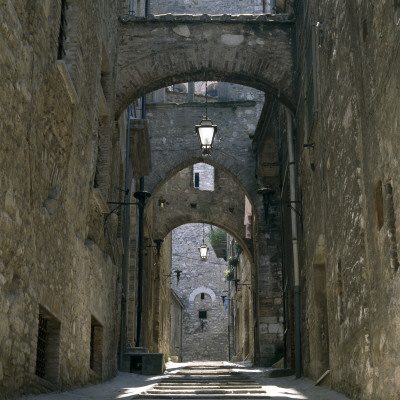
(206, 382)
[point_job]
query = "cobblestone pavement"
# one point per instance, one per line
(125, 386)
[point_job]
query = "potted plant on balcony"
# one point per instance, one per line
(233, 261)
(217, 238)
(229, 274)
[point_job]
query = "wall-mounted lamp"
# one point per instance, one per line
(178, 275)
(266, 192)
(162, 202)
(158, 243)
(223, 299)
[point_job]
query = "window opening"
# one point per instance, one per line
(131, 7)
(96, 346)
(48, 346)
(391, 227)
(379, 205)
(203, 314)
(340, 291)
(203, 176)
(62, 35)
(202, 296)
(41, 347)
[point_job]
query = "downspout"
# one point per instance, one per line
(229, 320)
(296, 273)
(125, 256)
(181, 338)
(141, 195)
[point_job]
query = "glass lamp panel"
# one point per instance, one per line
(203, 249)
(206, 134)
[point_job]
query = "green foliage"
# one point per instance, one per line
(229, 274)
(233, 261)
(216, 235)
(237, 248)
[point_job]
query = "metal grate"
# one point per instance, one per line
(41, 347)
(92, 333)
(62, 35)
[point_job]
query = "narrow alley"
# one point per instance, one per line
(201, 380)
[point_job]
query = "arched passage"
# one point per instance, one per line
(184, 203)
(253, 51)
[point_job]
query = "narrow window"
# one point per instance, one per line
(391, 226)
(131, 7)
(203, 314)
(340, 291)
(196, 180)
(379, 205)
(202, 296)
(48, 346)
(96, 346)
(62, 34)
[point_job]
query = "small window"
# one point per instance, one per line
(202, 296)
(203, 314)
(131, 7)
(196, 180)
(379, 205)
(62, 34)
(96, 346)
(203, 176)
(48, 346)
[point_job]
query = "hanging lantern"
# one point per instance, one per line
(203, 249)
(206, 131)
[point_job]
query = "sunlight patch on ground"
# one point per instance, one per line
(283, 392)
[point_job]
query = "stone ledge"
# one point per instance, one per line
(214, 104)
(100, 202)
(69, 86)
(227, 18)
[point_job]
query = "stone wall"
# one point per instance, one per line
(56, 258)
(207, 7)
(203, 338)
(176, 325)
(350, 185)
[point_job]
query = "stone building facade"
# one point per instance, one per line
(325, 225)
(200, 287)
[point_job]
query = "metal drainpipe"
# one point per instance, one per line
(125, 256)
(140, 262)
(141, 196)
(181, 335)
(229, 320)
(296, 272)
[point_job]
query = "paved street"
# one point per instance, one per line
(200, 380)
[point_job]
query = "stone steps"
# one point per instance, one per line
(210, 382)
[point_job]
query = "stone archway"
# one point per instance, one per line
(255, 51)
(202, 289)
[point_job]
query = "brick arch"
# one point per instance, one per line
(248, 50)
